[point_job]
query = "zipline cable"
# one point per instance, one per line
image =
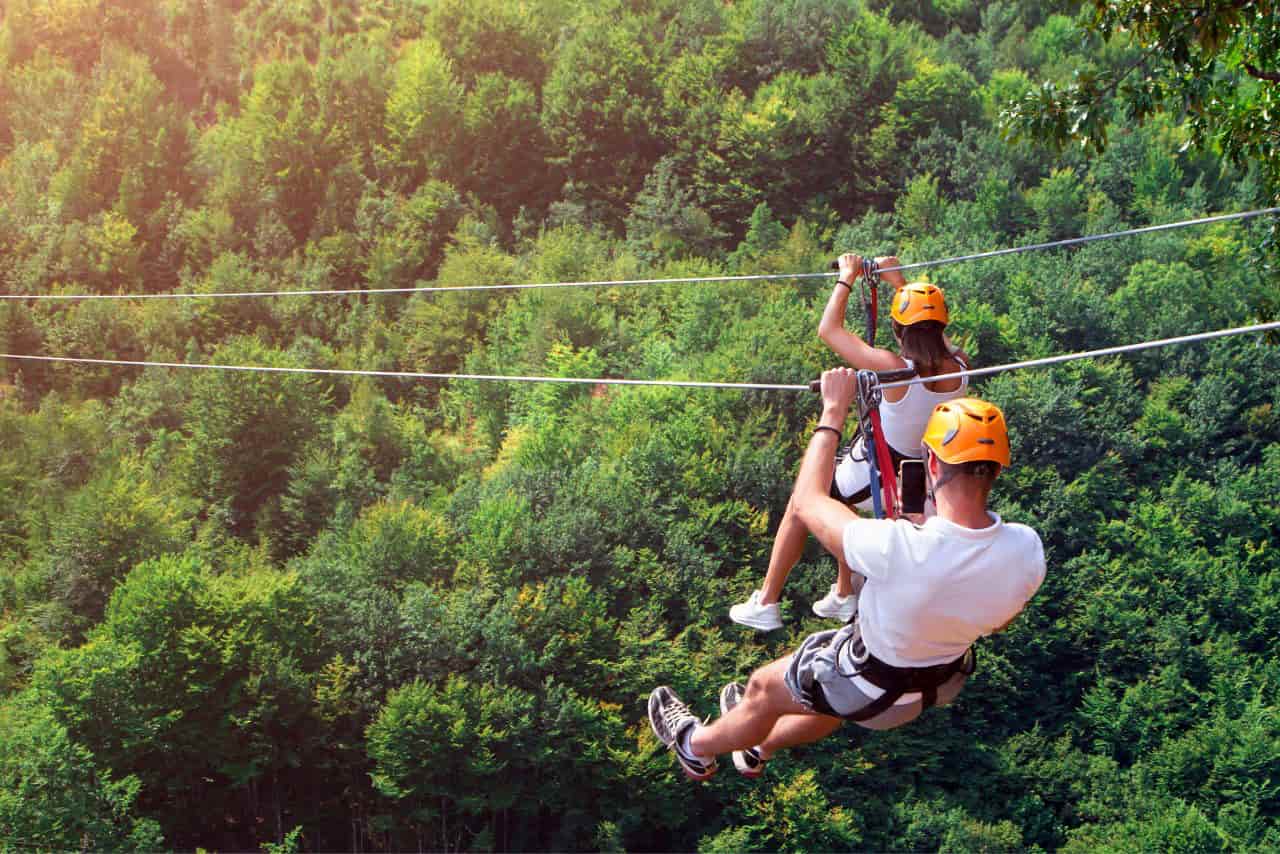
(1088, 238)
(411, 374)
(1090, 354)
(617, 283)
(980, 372)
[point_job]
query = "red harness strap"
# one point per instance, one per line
(875, 309)
(884, 461)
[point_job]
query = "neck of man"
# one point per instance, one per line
(963, 501)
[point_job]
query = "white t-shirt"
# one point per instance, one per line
(933, 589)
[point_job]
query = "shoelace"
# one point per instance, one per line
(675, 712)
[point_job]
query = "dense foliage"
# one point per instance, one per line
(283, 611)
(1217, 64)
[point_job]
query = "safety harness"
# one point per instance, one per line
(897, 681)
(884, 480)
(893, 681)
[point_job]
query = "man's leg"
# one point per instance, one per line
(749, 723)
(791, 730)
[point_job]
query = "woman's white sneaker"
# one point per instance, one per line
(763, 618)
(836, 607)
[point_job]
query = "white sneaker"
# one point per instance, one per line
(751, 613)
(836, 607)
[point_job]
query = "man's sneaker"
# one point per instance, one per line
(748, 762)
(751, 613)
(836, 607)
(670, 718)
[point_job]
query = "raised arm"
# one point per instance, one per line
(848, 345)
(825, 517)
(893, 278)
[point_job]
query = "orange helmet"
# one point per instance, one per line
(968, 430)
(918, 302)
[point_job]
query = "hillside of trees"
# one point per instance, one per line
(291, 612)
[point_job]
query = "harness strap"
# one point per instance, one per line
(883, 479)
(888, 477)
(869, 397)
(896, 681)
(880, 704)
(873, 467)
(870, 297)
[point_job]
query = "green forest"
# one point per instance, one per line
(289, 612)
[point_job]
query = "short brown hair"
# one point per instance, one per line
(984, 470)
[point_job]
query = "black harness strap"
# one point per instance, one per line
(896, 681)
(870, 291)
(868, 401)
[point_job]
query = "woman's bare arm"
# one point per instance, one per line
(848, 345)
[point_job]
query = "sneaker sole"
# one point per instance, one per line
(695, 777)
(653, 701)
(724, 707)
(758, 625)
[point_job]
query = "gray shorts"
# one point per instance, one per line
(823, 677)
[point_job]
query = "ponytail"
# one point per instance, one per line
(924, 344)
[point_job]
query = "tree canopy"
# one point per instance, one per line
(287, 612)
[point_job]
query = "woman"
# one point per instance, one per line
(919, 317)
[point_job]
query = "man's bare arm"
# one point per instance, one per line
(825, 517)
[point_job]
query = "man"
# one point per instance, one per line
(930, 591)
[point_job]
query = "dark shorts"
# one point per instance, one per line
(823, 676)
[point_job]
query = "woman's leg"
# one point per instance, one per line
(848, 582)
(851, 475)
(788, 545)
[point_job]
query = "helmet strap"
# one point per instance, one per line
(934, 485)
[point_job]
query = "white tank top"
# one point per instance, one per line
(904, 421)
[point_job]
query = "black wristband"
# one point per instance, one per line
(821, 427)
(846, 284)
